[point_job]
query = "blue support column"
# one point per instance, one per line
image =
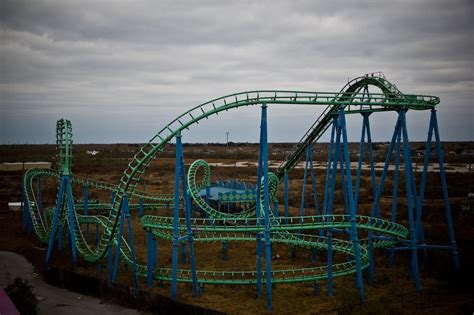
(330, 204)
(344, 185)
(208, 193)
(415, 201)
(100, 268)
(86, 208)
(258, 221)
(119, 238)
(285, 181)
(305, 177)
(65, 199)
(374, 190)
(25, 212)
(371, 155)
(224, 250)
(180, 181)
(110, 263)
(354, 236)
(259, 264)
(96, 234)
(141, 207)
(154, 251)
(327, 195)
(183, 252)
(395, 193)
(419, 205)
(54, 228)
(365, 134)
(275, 208)
(39, 193)
(378, 194)
(408, 180)
(366, 129)
(266, 204)
(328, 165)
(60, 235)
(27, 222)
(208, 196)
(316, 205)
(189, 232)
(313, 184)
(174, 270)
(361, 159)
(150, 260)
(113, 200)
(131, 244)
(124, 214)
(447, 207)
(72, 221)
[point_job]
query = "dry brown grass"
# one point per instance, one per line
(287, 298)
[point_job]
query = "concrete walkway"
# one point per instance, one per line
(53, 300)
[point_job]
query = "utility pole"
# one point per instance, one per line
(227, 134)
(470, 178)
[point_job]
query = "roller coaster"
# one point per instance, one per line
(198, 215)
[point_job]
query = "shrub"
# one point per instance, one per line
(21, 294)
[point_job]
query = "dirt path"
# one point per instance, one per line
(53, 300)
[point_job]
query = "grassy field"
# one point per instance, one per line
(445, 290)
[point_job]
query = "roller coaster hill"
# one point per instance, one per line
(226, 211)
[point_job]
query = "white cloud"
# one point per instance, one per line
(105, 64)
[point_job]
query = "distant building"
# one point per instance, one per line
(19, 166)
(93, 152)
(18, 205)
(467, 152)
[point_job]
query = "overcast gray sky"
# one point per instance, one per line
(120, 70)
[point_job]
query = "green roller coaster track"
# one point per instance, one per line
(221, 226)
